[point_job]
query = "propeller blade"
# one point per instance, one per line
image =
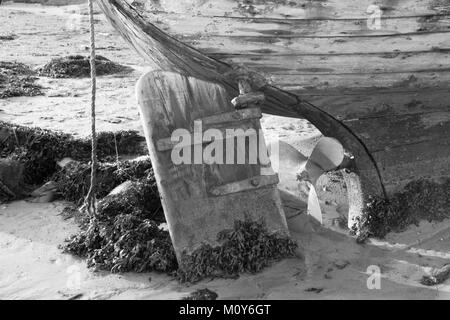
(311, 172)
(291, 166)
(285, 157)
(314, 205)
(286, 161)
(327, 154)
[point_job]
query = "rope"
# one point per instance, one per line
(90, 197)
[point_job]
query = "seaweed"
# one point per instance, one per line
(248, 247)
(11, 180)
(17, 79)
(73, 180)
(125, 235)
(202, 294)
(8, 37)
(40, 149)
(437, 276)
(419, 200)
(77, 66)
(124, 243)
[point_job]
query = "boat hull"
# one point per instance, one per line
(382, 90)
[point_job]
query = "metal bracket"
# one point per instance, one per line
(245, 185)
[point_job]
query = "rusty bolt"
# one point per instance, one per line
(215, 192)
(255, 182)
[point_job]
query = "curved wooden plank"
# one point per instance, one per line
(411, 80)
(378, 103)
(298, 9)
(346, 64)
(194, 25)
(311, 46)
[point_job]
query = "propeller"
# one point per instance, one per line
(292, 166)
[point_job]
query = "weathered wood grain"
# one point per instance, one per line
(408, 162)
(377, 103)
(437, 79)
(306, 46)
(425, 61)
(233, 116)
(301, 9)
(194, 25)
(383, 133)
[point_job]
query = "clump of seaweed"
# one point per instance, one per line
(437, 276)
(39, 149)
(248, 247)
(124, 243)
(420, 200)
(73, 180)
(77, 66)
(125, 235)
(7, 37)
(17, 79)
(202, 294)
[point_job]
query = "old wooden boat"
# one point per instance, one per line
(373, 74)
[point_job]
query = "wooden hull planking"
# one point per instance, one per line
(383, 92)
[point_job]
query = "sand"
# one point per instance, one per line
(331, 265)
(32, 266)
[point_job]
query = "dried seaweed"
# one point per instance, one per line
(420, 200)
(248, 247)
(17, 79)
(124, 243)
(77, 66)
(8, 37)
(437, 276)
(73, 180)
(202, 294)
(125, 235)
(40, 149)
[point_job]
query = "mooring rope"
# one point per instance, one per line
(90, 197)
